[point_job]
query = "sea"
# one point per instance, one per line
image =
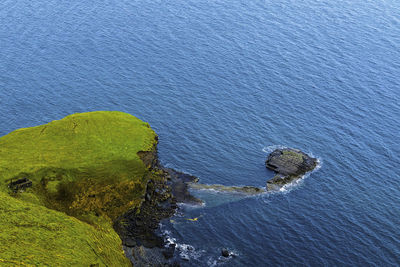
(223, 83)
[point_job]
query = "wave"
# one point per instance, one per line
(187, 252)
(269, 149)
(191, 206)
(184, 251)
(221, 260)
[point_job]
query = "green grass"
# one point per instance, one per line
(85, 172)
(32, 235)
(99, 143)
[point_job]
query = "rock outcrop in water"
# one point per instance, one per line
(245, 190)
(289, 165)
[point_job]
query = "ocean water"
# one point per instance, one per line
(222, 82)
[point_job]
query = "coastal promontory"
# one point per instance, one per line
(63, 185)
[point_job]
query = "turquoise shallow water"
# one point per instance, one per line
(221, 82)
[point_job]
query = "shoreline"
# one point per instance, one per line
(138, 227)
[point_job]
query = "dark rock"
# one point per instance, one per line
(138, 228)
(179, 184)
(148, 197)
(225, 252)
(184, 177)
(169, 251)
(20, 184)
(289, 164)
(185, 257)
(129, 242)
(145, 257)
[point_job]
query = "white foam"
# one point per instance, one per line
(298, 182)
(269, 149)
(192, 206)
(221, 260)
(185, 251)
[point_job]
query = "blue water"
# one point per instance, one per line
(221, 82)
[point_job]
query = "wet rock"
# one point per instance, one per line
(137, 228)
(288, 164)
(129, 242)
(145, 257)
(168, 252)
(148, 197)
(246, 190)
(179, 183)
(225, 253)
(184, 177)
(185, 257)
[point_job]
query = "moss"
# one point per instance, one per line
(292, 156)
(85, 171)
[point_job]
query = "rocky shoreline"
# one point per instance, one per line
(92, 192)
(138, 227)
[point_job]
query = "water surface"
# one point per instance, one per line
(221, 82)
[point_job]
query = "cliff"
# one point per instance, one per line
(63, 184)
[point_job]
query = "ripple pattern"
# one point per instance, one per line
(219, 81)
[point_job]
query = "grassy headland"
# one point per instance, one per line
(85, 172)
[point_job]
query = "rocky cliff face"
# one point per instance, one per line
(138, 227)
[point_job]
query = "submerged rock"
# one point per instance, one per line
(246, 190)
(179, 182)
(225, 253)
(168, 252)
(289, 164)
(185, 257)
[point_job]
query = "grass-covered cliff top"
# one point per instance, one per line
(85, 171)
(103, 142)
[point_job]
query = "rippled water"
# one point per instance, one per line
(220, 82)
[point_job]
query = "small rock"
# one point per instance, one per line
(225, 252)
(129, 242)
(185, 257)
(169, 251)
